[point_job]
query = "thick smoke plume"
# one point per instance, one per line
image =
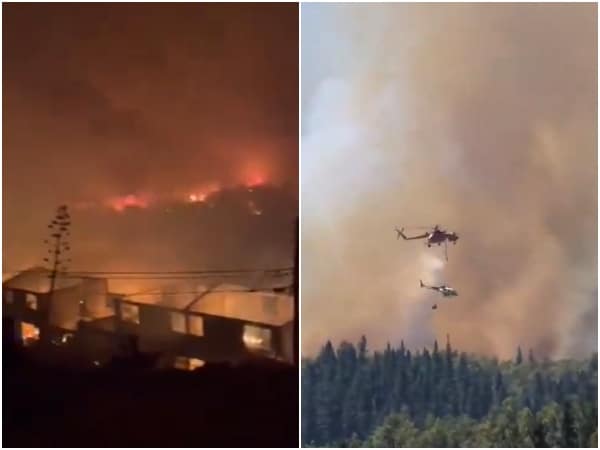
(480, 118)
(156, 107)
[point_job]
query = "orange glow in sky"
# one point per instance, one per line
(255, 173)
(127, 201)
(254, 181)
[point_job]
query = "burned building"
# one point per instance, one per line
(38, 314)
(224, 322)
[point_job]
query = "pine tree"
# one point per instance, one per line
(308, 408)
(347, 360)
(350, 409)
(364, 411)
(402, 349)
(349, 394)
(362, 350)
(325, 402)
(531, 357)
(499, 389)
(378, 394)
(487, 395)
(569, 427)
(519, 358)
(427, 385)
(448, 355)
(473, 407)
(402, 386)
(463, 381)
(389, 366)
(437, 361)
(451, 385)
(539, 394)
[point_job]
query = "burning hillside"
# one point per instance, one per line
(229, 228)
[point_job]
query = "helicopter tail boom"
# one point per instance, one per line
(423, 285)
(400, 232)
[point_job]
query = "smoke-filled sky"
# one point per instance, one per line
(480, 118)
(108, 102)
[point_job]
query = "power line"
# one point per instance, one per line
(174, 275)
(178, 275)
(114, 278)
(175, 293)
(186, 272)
(174, 272)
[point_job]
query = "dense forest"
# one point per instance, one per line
(352, 397)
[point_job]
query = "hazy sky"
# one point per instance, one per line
(480, 118)
(161, 100)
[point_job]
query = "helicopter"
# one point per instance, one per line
(446, 291)
(434, 236)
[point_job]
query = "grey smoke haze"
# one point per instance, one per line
(480, 118)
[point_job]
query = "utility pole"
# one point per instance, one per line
(58, 245)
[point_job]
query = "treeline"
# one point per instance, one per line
(442, 398)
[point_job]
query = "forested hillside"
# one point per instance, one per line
(444, 398)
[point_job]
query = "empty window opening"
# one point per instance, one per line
(196, 324)
(29, 333)
(178, 322)
(257, 338)
(130, 313)
(31, 301)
